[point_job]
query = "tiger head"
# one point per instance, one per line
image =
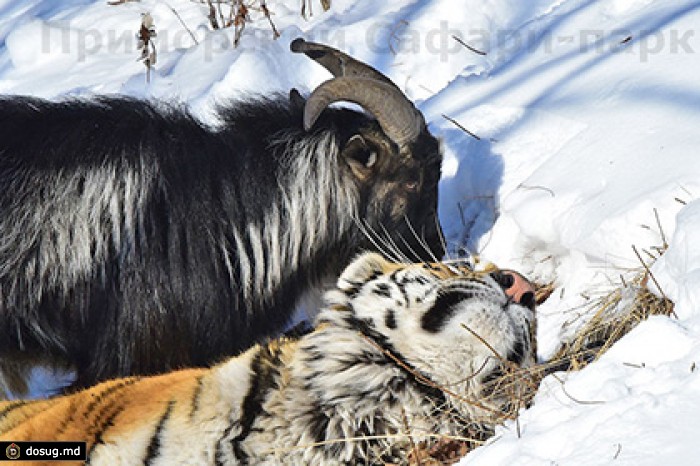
(457, 329)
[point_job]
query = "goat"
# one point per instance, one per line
(135, 239)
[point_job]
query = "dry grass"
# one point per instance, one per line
(616, 314)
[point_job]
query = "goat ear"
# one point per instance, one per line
(296, 99)
(363, 268)
(360, 156)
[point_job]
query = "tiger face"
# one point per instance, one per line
(400, 353)
(458, 327)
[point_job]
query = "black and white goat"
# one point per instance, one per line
(135, 239)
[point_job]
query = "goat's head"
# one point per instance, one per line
(393, 158)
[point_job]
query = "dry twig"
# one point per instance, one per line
(469, 47)
(459, 125)
(145, 36)
(177, 15)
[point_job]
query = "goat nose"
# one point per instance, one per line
(516, 287)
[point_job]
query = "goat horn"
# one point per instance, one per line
(397, 116)
(336, 62)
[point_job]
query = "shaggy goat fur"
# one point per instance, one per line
(134, 239)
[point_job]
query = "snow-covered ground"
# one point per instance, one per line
(587, 113)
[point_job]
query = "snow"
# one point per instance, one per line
(587, 114)
(678, 271)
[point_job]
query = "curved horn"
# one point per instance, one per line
(338, 63)
(397, 116)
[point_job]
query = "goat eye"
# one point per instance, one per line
(411, 186)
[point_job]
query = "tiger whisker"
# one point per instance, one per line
(398, 254)
(374, 242)
(441, 237)
(390, 239)
(415, 254)
(420, 239)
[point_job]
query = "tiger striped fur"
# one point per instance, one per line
(349, 392)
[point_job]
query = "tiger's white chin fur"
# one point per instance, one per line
(400, 351)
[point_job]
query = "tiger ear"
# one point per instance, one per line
(364, 268)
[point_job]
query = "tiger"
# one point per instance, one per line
(399, 353)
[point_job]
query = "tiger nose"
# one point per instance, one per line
(516, 287)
